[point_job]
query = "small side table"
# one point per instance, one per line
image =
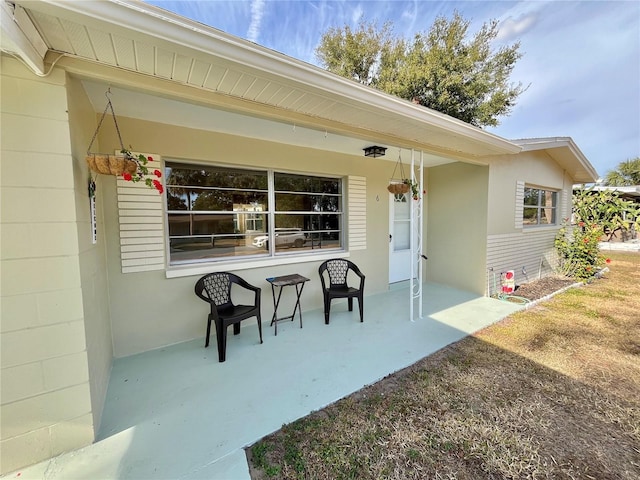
(295, 280)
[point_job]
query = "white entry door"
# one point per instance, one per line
(399, 237)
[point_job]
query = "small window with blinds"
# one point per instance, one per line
(219, 213)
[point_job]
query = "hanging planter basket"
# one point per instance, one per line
(397, 188)
(132, 168)
(110, 164)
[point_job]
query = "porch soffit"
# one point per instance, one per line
(157, 43)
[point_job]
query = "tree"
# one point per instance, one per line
(441, 69)
(627, 173)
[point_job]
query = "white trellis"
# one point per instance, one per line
(416, 236)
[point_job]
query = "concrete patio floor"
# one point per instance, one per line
(176, 413)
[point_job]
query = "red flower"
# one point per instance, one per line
(157, 185)
(581, 224)
(150, 159)
(585, 240)
(588, 269)
(126, 176)
(157, 173)
(608, 260)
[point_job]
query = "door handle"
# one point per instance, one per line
(390, 237)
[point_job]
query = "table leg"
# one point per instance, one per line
(297, 305)
(275, 307)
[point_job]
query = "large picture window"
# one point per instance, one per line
(219, 213)
(540, 207)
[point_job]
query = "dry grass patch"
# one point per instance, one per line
(552, 392)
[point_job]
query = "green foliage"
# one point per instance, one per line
(596, 213)
(259, 459)
(441, 69)
(415, 193)
(358, 54)
(607, 209)
(578, 250)
(627, 173)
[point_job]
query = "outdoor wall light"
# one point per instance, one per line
(374, 151)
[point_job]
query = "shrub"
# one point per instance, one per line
(578, 250)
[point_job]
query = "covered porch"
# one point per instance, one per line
(177, 413)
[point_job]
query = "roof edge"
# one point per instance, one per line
(588, 171)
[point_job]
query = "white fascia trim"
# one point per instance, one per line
(159, 23)
(20, 37)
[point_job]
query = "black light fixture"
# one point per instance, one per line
(374, 151)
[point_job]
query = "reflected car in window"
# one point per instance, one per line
(285, 237)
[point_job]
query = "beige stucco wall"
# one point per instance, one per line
(45, 401)
(92, 257)
(529, 252)
(457, 225)
(149, 310)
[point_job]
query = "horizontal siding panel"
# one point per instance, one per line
(138, 213)
(142, 199)
(136, 255)
(141, 220)
(126, 206)
(150, 241)
(140, 227)
(535, 251)
(142, 247)
(142, 268)
(143, 261)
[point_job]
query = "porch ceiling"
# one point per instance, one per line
(133, 36)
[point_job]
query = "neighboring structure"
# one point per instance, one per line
(628, 192)
(249, 141)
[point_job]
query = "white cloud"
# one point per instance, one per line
(357, 15)
(513, 28)
(257, 12)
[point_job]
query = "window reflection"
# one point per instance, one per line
(540, 207)
(219, 212)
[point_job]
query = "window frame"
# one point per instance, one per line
(272, 256)
(540, 206)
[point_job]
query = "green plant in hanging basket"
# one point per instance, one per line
(142, 173)
(413, 186)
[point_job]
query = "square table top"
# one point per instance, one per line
(285, 280)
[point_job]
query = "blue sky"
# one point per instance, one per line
(581, 59)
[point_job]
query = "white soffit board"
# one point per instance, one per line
(147, 107)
